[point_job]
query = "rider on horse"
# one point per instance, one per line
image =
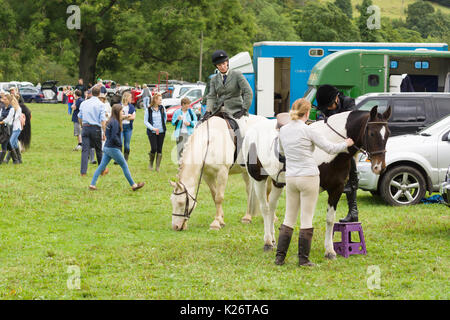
(330, 101)
(229, 91)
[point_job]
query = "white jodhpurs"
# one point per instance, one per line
(301, 194)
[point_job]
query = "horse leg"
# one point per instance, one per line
(333, 199)
(221, 183)
(252, 205)
(261, 194)
(273, 203)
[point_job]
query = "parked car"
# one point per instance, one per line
(5, 86)
(193, 93)
(50, 91)
(445, 188)
(411, 112)
(20, 84)
(31, 94)
(195, 106)
(415, 163)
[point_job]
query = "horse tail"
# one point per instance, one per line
(25, 134)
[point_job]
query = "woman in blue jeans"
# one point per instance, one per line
(112, 149)
(129, 114)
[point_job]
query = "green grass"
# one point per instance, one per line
(393, 8)
(124, 246)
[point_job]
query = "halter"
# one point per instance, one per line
(187, 212)
(364, 148)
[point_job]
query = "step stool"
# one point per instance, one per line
(346, 247)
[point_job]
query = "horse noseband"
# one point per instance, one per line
(187, 212)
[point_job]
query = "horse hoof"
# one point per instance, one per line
(330, 256)
(268, 247)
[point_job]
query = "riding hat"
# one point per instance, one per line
(219, 56)
(326, 95)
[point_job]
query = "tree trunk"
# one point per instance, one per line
(88, 55)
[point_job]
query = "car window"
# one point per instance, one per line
(443, 106)
(369, 104)
(194, 94)
(183, 91)
(408, 110)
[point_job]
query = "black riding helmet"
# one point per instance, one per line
(219, 56)
(326, 95)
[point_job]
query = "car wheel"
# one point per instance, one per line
(403, 185)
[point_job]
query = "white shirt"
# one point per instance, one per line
(297, 143)
(183, 126)
(16, 121)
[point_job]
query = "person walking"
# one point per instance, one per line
(297, 142)
(146, 95)
(80, 86)
(112, 149)
(76, 125)
(92, 119)
(10, 116)
(155, 118)
(129, 114)
(329, 102)
(184, 120)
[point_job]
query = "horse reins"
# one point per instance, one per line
(364, 148)
(187, 211)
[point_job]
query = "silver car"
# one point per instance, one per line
(415, 163)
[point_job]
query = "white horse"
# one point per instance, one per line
(260, 150)
(209, 154)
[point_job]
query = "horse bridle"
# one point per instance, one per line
(187, 211)
(364, 148)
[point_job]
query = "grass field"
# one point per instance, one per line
(393, 8)
(122, 243)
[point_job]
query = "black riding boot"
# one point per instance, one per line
(2, 156)
(15, 156)
(352, 215)
(19, 155)
(304, 247)
(158, 161)
(126, 154)
(284, 239)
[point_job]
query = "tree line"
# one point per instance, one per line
(132, 40)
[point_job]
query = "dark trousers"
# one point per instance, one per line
(156, 141)
(91, 138)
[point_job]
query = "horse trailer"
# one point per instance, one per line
(279, 72)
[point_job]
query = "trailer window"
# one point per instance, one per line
(316, 52)
(374, 80)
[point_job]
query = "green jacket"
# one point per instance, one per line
(234, 95)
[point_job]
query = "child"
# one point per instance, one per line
(76, 125)
(184, 120)
(69, 101)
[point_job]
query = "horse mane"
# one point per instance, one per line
(187, 150)
(356, 116)
(25, 134)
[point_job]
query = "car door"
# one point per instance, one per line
(408, 115)
(443, 154)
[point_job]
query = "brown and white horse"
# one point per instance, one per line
(370, 132)
(209, 154)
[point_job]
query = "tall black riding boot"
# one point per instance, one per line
(15, 156)
(126, 154)
(304, 247)
(2, 156)
(19, 155)
(284, 239)
(352, 215)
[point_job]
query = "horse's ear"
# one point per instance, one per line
(373, 112)
(387, 114)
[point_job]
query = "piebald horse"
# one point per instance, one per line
(368, 130)
(209, 153)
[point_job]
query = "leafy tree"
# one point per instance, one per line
(345, 6)
(368, 35)
(325, 22)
